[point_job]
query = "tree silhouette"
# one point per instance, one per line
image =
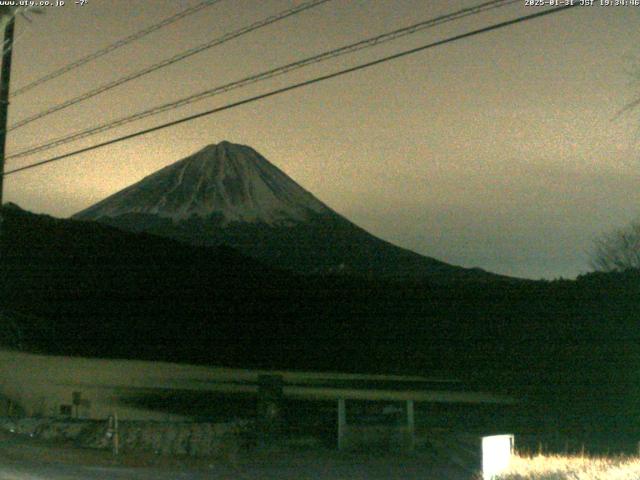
(618, 250)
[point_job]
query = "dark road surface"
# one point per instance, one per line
(408, 469)
(24, 458)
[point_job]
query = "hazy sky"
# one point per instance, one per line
(499, 151)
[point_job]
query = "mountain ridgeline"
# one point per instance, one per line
(228, 194)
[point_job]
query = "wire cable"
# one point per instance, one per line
(350, 48)
(114, 46)
(295, 86)
(169, 61)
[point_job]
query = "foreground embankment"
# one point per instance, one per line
(558, 467)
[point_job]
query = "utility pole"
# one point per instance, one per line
(5, 77)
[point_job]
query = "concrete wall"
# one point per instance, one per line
(162, 438)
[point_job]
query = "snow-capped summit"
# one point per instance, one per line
(233, 182)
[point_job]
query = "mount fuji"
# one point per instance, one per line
(230, 194)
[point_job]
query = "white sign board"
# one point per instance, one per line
(496, 455)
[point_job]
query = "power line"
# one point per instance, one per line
(350, 48)
(114, 46)
(296, 86)
(169, 61)
(265, 75)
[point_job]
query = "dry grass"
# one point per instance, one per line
(549, 467)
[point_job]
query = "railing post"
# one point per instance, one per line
(342, 422)
(411, 425)
(270, 405)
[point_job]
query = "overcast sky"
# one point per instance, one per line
(500, 151)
